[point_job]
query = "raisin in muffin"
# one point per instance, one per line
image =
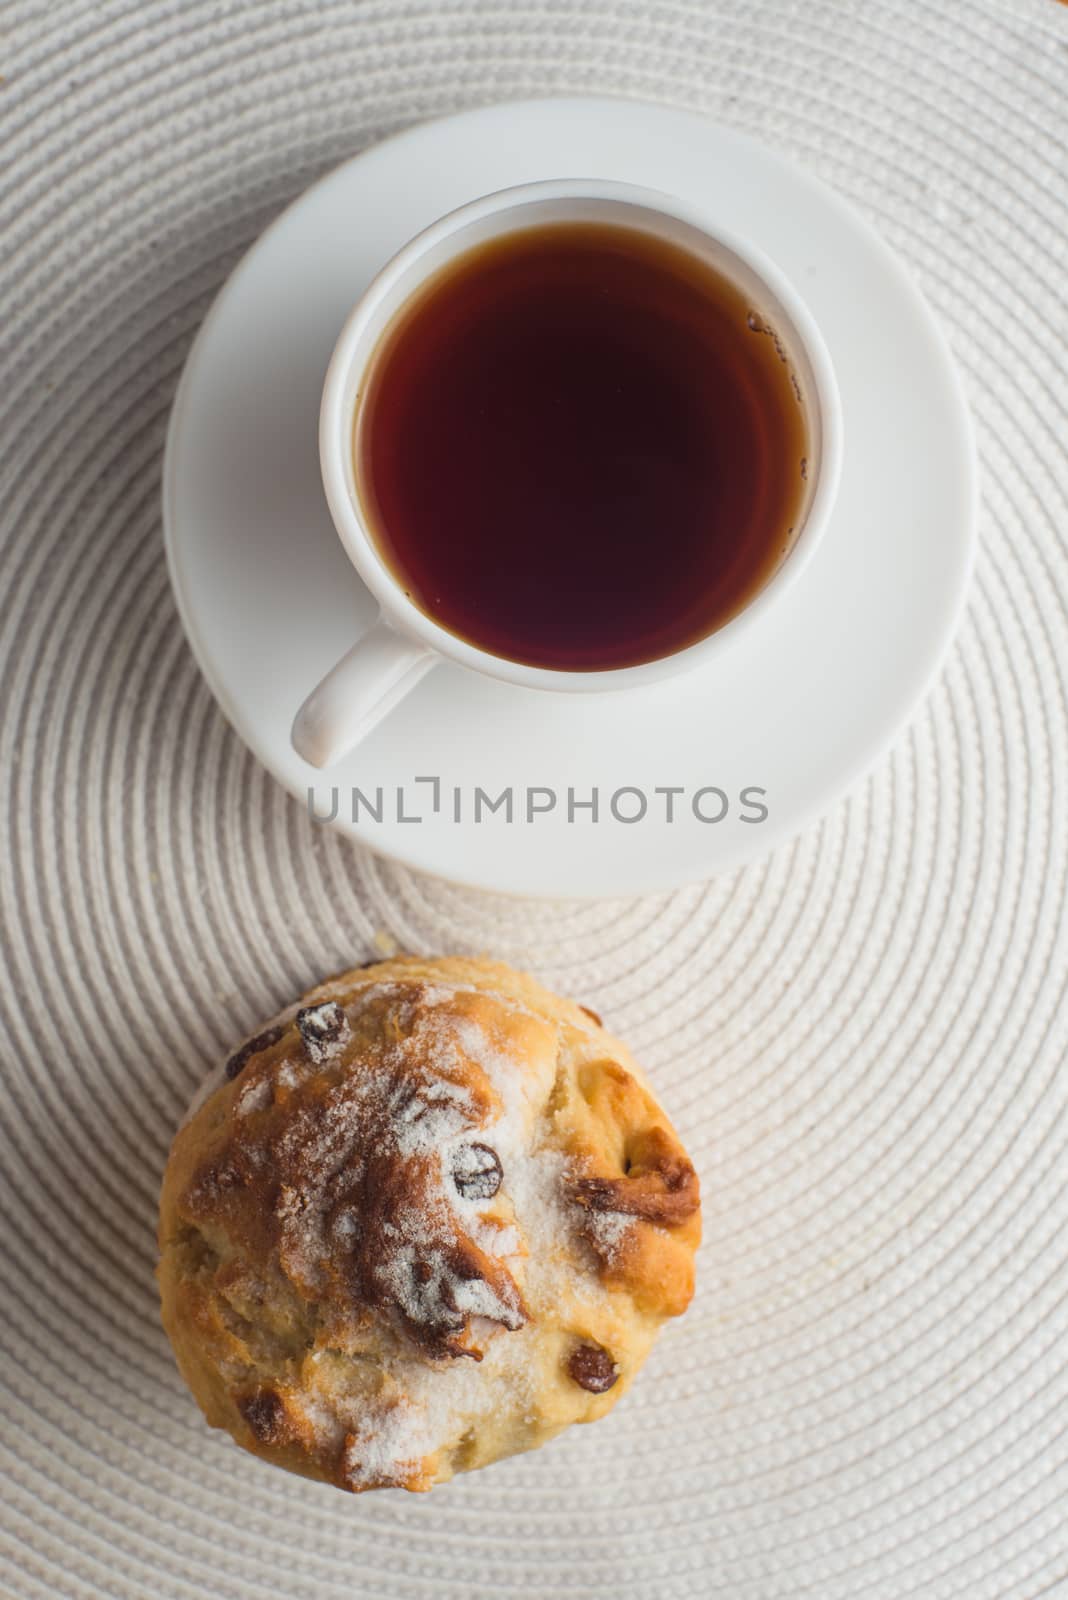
(427, 1217)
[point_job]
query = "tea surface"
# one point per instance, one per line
(578, 447)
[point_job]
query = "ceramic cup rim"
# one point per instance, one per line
(373, 314)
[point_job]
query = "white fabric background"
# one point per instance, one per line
(862, 1038)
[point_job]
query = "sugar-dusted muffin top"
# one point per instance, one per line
(425, 1218)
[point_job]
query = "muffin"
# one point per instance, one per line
(426, 1217)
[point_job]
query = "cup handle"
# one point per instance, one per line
(357, 693)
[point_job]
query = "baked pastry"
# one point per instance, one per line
(427, 1217)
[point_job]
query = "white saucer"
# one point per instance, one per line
(799, 708)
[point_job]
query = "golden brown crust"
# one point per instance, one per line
(321, 1162)
(421, 1163)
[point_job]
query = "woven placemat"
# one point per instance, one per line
(862, 1037)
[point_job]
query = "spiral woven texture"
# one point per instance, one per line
(862, 1038)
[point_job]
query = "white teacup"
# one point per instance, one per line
(405, 642)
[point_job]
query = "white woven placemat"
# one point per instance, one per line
(863, 1038)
